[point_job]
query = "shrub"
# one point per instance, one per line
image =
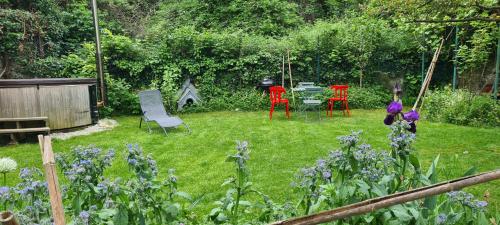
(462, 108)
(368, 97)
(121, 98)
(241, 100)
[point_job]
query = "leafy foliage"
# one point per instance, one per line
(461, 107)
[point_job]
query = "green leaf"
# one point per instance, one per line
(142, 220)
(482, 219)
(228, 181)
(430, 202)
(215, 212)
(121, 216)
(415, 162)
(432, 172)
(363, 187)
(183, 195)
(245, 203)
(414, 212)
(470, 171)
(77, 207)
(379, 190)
(368, 218)
(401, 213)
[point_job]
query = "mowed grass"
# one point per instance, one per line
(279, 148)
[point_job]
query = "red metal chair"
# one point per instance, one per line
(340, 94)
(275, 93)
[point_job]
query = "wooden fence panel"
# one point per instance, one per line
(19, 102)
(66, 106)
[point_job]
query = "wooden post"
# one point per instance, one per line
(7, 218)
(49, 164)
(290, 74)
(497, 69)
(98, 55)
(372, 205)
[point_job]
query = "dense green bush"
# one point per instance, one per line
(241, 100)
(121, 98)
(461, 107)
(368, 97)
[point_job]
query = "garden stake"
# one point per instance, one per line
(372, 205)
(52, 181)
(428, 76)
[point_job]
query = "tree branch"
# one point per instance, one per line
(483, 19)
(486, 8)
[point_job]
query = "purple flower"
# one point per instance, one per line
(389, 119)
(394, 107)
(411, 116)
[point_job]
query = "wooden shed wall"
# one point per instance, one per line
(65, 106)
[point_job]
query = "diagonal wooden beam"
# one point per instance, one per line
(372, 205)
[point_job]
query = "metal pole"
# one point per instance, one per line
(98, 54)
(317, 61)
(283, 72)
(455, 64)
(495, 84)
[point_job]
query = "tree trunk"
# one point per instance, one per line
(361, 78)
(5, 70)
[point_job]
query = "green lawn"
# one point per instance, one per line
(278, 148)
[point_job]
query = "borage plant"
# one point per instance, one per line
(234, 206)
(357, 172)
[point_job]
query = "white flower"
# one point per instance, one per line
(7, 165)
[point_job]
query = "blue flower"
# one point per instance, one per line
(481, 204)
(349, 140)
(25, 173)
(441, 218)
(4, 193)
(84, 216)
(327, 174)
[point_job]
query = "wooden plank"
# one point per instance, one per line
(49, 164)
(9, 83)
(24, 130)
(19, 102)
(15, 119)
(67, 105)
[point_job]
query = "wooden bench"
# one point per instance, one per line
(20, 129)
